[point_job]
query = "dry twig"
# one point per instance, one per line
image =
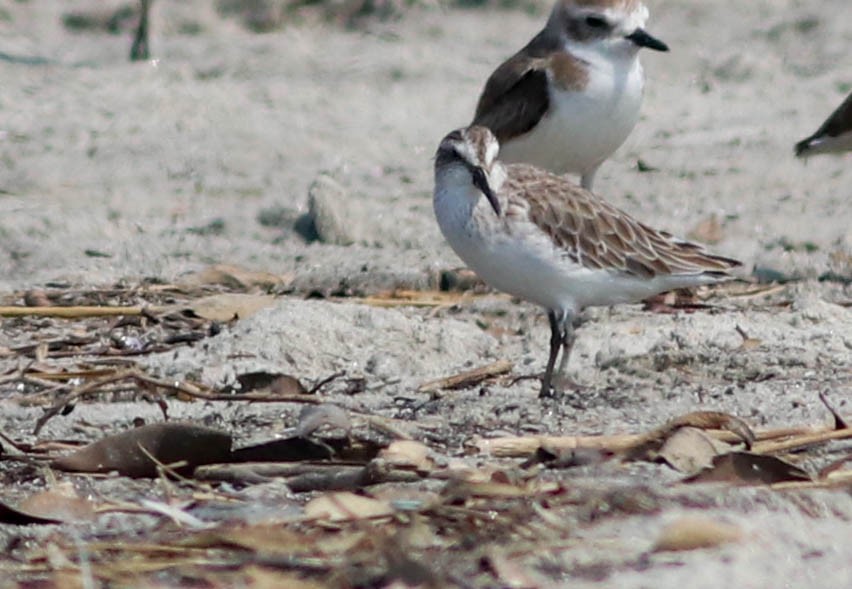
(467, 378)
(77, 312)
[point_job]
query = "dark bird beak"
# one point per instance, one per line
(643, 39)
(481, 182)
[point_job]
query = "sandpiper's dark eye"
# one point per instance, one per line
(596, 22)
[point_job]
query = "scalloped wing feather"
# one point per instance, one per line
(597, 235)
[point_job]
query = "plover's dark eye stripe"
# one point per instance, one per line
(454, 136)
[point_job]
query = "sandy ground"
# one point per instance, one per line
(225, 128)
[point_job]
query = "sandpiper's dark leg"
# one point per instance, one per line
(568, 338)
(556, 342)
(139, 50)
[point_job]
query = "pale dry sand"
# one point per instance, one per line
(126, 159)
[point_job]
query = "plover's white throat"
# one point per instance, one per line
(539, 237)
(835, 134)
(570, 98)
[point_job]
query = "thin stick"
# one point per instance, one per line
(523, 446)
(76, 312)
(839, 422)
(76, 394)
(797, 443)
(468, 378)
(174, 386)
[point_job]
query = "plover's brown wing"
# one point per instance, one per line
(837, 124)
(515, 97)
(597, 235)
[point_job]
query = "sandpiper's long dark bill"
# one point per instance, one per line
(572, 95)
(538, 236)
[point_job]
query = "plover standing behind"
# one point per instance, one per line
(834, 136)
(538, 236)
(570, 98)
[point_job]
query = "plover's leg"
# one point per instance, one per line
(588, 178)
(556, 339)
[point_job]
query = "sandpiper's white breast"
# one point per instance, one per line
(584, 127)
(519, 263)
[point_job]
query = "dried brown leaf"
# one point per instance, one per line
(277, 383)
(408, 454)
(236, 277)
(694, 532)
(36, 298)
(346, 506)
(690, 449)
(11, 515)
(460, 280)
(230, 306)
(61, 503)
(747, 468)
(168, 443)
(293, 449)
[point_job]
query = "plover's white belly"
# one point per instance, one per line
(582, 129)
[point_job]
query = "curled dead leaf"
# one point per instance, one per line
(17, 517)
(168, 443)
(292, 449)
(61, 503)
(56, 505)
(747, 468)
(690, 450)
